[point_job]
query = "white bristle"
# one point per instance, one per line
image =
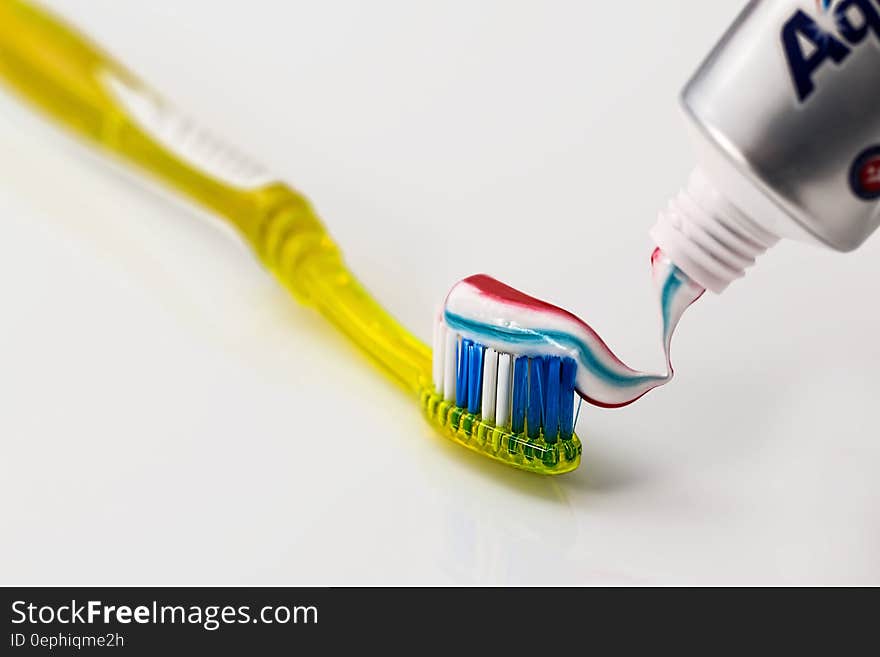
(450, 358)
(490, 383)
(439, 348)
(502, 404)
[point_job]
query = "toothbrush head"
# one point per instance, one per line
(509, 395)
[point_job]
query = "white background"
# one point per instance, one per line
(169, 415)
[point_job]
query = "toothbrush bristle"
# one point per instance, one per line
(519, 409)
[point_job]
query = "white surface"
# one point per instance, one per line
(167, 413)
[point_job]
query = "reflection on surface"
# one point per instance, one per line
(477, 544)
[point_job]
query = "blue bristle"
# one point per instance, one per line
(566, 398)
(536, 396)
(461, 382)
(475, 377)
(545, 361)
(520, 394)
(551, 413)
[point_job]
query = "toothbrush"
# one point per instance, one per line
(85, 90)
(506, 368)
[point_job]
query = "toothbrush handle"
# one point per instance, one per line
(85, 90)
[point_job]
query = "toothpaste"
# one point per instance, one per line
(493, 314)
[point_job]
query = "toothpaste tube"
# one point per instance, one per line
(784, 117)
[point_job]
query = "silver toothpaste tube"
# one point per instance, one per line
(785, 114)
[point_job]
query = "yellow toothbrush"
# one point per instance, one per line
(82, 88)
